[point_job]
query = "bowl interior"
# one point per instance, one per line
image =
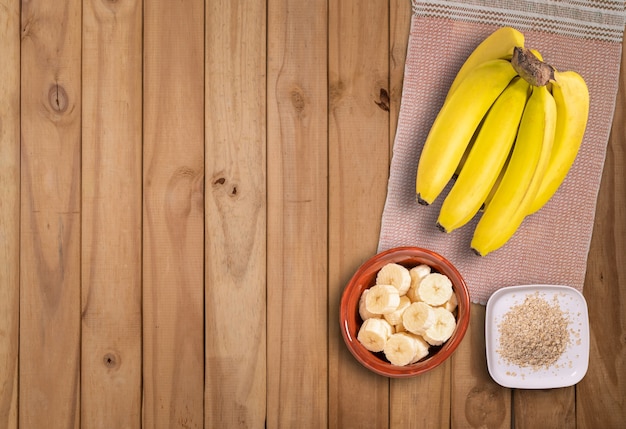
(365, 277)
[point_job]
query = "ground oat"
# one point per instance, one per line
(534, 334)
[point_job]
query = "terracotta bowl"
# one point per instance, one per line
(365, 277)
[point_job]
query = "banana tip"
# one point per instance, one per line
(476, 252)
(441, 227)
(422, 201)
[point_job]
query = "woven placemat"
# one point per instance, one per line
(551, 246)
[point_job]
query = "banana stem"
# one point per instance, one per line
(531, 68)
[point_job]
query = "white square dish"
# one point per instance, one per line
(571, 366)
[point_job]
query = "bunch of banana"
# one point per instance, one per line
(508, 133)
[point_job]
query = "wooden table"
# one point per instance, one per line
(185, 189)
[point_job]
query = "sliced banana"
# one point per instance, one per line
(374, 333)
(382, 299)
(401, 348)
(417, 273)
(399, 327)
(418, 317)
(363, 308)
(435, 289)
(442, 329)
(406, 312)
(451, 304)
(413, 295)
(395, 317)
(395, 275)
(422, 349)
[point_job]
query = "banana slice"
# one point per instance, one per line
(435, 289)
(442, 329)
(401, 348)
(399, 327)
(451, 304)
(418, 317)
(422, 349)
(406, 312)
(412, 294)
(374, 333)
(382, 299)
(395, 317)
(363, 308)
(417, 274)
(395, 275)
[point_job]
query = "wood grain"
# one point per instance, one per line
(476, 400)
(173, 215)
(399, 27)
(185, 190)
(9, 210)
(236, 225)
(49, 366)
(423, 401)
(297, 242)
(111, 221)
(544, 408)
(601, 395)
(359, 144)
(408, 406)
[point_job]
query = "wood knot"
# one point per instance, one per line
(111, 360)
(57, 98)
(383, 101)
(297, 99)
(335, 92)
(221, 182)
(26, 29)
(484, 406)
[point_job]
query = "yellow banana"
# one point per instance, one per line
(486, 158)
(455, 124)
(498, 45)
(471, 143)
(572, 106)
(506, 163)
(494, 188)
(521, 180)
(467, 150)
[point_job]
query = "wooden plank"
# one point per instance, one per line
(601, 395)
(400, 13)
(173, 225)
(9, 210)
(235, 206)
(423, 401)
(111, 207)
(297, 156)
(544, 408)
(358, 171)
(49, 365)
(407, 406)
(477, 401)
